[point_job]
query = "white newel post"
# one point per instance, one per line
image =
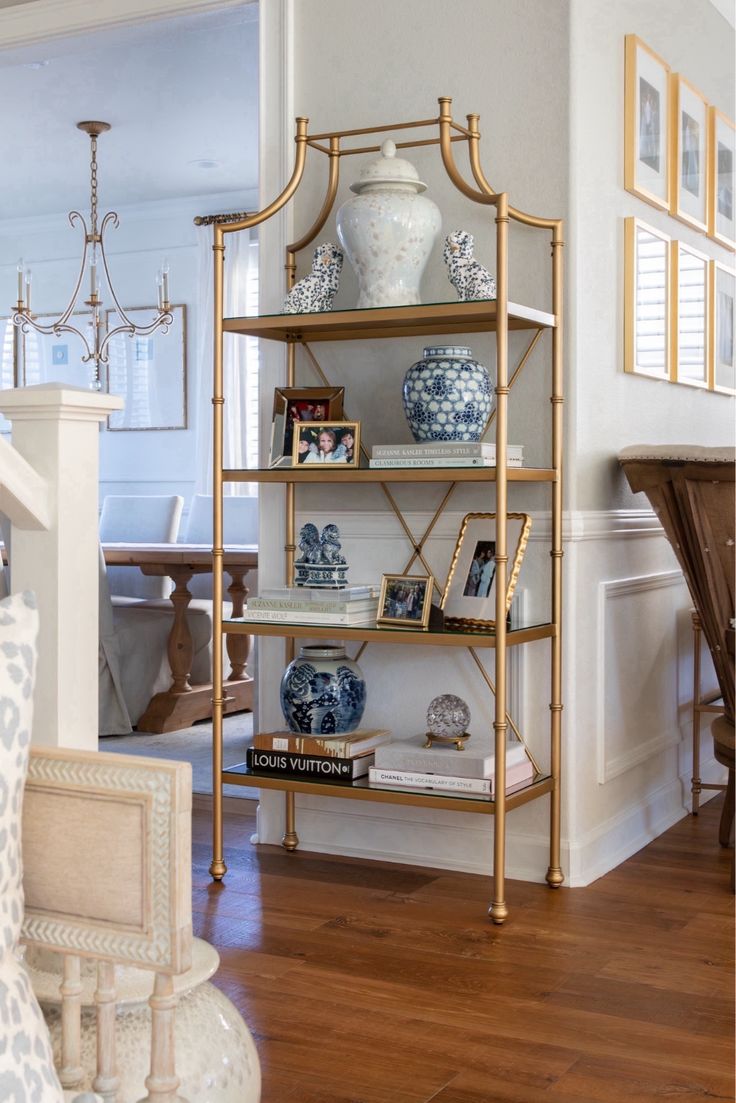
(56, 431)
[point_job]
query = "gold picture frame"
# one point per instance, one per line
(721, 328)
(689, 315)
(647, 294)
(304, 399)
(326, 444)
(721, 179)
(405, 601)
(149, 372)
(469, 597)
(646, 123)
(688, 154)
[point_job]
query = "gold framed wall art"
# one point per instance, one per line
(646, 300)
(149, 372)
(469, 597)
(646, 122)
(688, 154)
(721, 179)
(722, 321)
(689, 315)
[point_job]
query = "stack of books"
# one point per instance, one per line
(350, 607)
(407, 764)
(341, 758)
(443, 453)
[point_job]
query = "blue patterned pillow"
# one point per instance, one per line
(27, 1072)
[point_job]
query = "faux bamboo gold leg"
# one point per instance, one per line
(290, 840)
(555, 876)
(696, 784)
(498, 909)
(218, 869)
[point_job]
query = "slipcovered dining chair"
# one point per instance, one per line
(691, 490)
(240, 526)
(139, 519)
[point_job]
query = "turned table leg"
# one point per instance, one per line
(180, 646)
(238, 646)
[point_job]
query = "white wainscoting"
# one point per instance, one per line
(637, 670)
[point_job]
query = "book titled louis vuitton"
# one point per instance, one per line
(317, 767)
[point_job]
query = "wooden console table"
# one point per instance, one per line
(183, 704)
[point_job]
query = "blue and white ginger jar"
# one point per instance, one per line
(322, 692)
(448, 395)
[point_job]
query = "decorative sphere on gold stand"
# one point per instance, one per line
(448, 718)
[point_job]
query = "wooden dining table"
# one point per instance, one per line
(183, 703)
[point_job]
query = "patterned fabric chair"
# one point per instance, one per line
(691, 490)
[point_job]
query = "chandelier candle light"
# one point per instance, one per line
(94, 244)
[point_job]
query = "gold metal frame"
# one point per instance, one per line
(319, 427)
(497, 318)
(714, 115)
(406, 622)
(675, 148)
(631, 69)
(677, 248)
(631, 227)
(513, 576)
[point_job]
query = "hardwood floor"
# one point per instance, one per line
(376, 983)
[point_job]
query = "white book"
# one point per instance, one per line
(442, 461)
(518, 774)
(285, 605)
(477, 759)
(318, 593)
(286, 616)
(449, 448)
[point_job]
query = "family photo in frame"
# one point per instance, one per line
(469, 598)
(302, 405)
(334, 442)
(405, 601)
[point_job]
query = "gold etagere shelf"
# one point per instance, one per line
(499, 317)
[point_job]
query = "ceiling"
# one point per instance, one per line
(176, 92)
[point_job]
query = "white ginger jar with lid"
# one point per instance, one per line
(387, 230)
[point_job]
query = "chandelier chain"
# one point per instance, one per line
(93, 179)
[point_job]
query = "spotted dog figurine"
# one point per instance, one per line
(317, 290)
(469, 278)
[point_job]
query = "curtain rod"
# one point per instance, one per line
(211, 219)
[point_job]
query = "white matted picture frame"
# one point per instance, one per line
(56, 357)
(646, 123)
(647, 289)
(469, 597)
(688, 154)
(722, 321)
(689, 315)
(405, 601)
(721, 179)
(148, 373)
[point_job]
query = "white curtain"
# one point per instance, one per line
(240, 361)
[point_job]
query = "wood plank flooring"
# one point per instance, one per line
(365, 982)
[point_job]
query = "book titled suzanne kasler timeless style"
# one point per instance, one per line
(344, 746)
(434, 449)
(317, 767)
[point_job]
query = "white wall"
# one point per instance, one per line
(547, 79)
(137, 462)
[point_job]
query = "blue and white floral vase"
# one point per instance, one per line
(448, 395)
(322, 692)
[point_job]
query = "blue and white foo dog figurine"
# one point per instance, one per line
(316, 291)
(469, 278)
(321, 564)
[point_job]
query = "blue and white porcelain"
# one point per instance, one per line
(387, 230)
(321, 562)
(448, 395)
(322, 692)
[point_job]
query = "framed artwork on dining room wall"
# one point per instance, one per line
(647, 290)
(689, 328)
(722, 321)
(56, 357)
(148, 372)
(646, 124)
(688, 154)
(721, 179)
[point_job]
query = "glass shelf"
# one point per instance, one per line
(433, 637)
(388, 321)
(360, 789)
(335, 473)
